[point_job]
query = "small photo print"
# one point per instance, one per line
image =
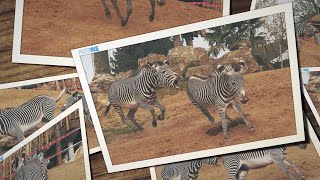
(211, 90)
(41, 25)
(28, 105)
(293, 161)
(307, 27)
(57, 150)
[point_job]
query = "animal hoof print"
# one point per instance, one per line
(154, 123)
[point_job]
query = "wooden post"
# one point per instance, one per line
(58, 147)
(67, 123)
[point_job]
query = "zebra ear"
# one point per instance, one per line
(239, 66)
(221, 68)
(242, 63)
(166, 62)
(75, 94)
(148, 63)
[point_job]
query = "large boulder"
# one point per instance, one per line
(101, 83)
(183, 57)
(313, 84)
(151, 58)
(204, 70)
(237, 55)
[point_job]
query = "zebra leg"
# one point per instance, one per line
(123, 118)
(129, 11)
(153, 3)
(162, 109)
(281, 164)
(130, 115)
(222, 115)
(229, 118)
(151, 110)
(48, 116)
(242, 173)
(233, 166)
(206, 113)
(106, 8)
(17, 132)
(237, 107)
(116, 8)
(289, 163)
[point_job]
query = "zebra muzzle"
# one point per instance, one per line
(244, 99)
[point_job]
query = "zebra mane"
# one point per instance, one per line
(147, 66)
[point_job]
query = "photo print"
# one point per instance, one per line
(173, 99)
(307, 27)
(57, 150)
(45, 31)
(292, 161)
(29, 105)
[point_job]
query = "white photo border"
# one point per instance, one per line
(77, 106)
(314, 139)
(284, 8)
(17, 57)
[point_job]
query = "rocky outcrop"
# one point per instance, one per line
(204, 70)
(313, 84)
(101, 83)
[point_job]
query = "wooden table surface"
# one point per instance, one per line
(10, 72)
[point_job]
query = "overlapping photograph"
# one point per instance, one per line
(307, 27)
(58, 150)
(45, 31)
(29, 105)
(155, 99)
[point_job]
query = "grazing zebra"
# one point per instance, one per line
(73, 98)
(223, 88)
(15, 121)
(33, 168)
(238, 164)
(187, 170)
(306, 30)
(140, 91)
(129, 9)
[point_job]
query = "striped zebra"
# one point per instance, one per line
(238, 164)
(187, 170)
(223, 88)
(129, 9)
(140, 91)
(72, 99)
(33, 168)
(15, 121)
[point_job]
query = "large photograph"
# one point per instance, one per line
(28, 105)
(307, 27)
(293, 161)
(58, 150)
(211, 91)
(42, 25)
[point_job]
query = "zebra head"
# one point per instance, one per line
(166, 75)
(310, 30)
(71, 99)
(161, 2)
(235, 80)
(212, 160)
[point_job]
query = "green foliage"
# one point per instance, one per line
(126, 58)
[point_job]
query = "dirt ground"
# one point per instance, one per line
(186, 129)
(309, 55)
(73, 170)
(307, 160)
(53, 28)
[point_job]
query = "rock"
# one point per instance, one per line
(204, 70)
(183, 57)
(151, 58)
(313, 84)
(101, 83)
(123, 75)
(237, 55)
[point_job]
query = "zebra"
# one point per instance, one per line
(33, 168)
(140, 91)
(305, 30)
(187, 170)
(224, 87)
(15, 121)
(73, 98)
(238, 164)
(129, 9)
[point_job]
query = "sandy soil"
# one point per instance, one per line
(73, 170)
(186, 129)
(307, 160)
(309, 55)
(55, 27)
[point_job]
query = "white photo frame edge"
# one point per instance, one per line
(17, 57)
(57, 119)
(284, 8)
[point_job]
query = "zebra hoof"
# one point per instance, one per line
(225, 136)
(160, 117)
(123, 23)
(154, 123)
(252, 130)
(151, 18)
(108, 14)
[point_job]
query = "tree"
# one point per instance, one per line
(303, 10)
(101, 62)
(126, 58)
(265, 3)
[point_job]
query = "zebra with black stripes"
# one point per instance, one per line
(238, 164)
(15, 121)
(140, 91)
(188, 170)
(75, 97)
(224, 87)
(129, 9)
(32, 168)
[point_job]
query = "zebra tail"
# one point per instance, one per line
(107, 109)
(61, 93)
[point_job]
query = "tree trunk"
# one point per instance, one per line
(280, 57)
(177, 41)
(101, 62)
